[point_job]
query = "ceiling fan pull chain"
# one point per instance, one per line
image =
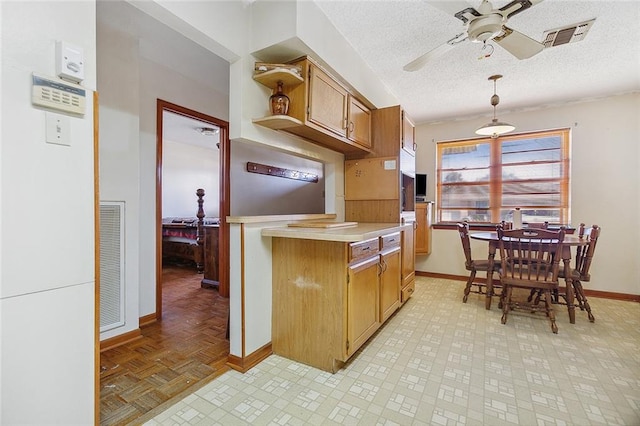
(486, 47)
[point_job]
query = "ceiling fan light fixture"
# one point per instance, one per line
(495, 128)
(485, 28)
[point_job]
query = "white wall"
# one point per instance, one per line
(254, 194)
(605, 183)
(185, 169)
(47, 225)
(119, 150)
(135, 71)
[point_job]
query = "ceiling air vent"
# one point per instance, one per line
(567, 34)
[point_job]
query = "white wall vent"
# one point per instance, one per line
(568, 34)
(111, 265)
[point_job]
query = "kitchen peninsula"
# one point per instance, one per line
(333, 287)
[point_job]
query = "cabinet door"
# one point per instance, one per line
(363, 317)
(372, 179)
(408, 134)
(390, 282)
(359, 123)
(408, 253)
(423, 231)
(327, 102)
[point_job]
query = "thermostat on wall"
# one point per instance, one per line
(56, 94)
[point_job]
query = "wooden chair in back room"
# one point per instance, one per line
(529, 261)
(471, 265)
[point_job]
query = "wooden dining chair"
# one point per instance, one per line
(580, 273)
(471, 265)
(528, 261)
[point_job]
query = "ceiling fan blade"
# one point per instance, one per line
(518, 44)
(517, 6)
(419, 62)
(449, 7)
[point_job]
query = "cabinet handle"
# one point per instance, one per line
(351, 127)
(346, 123)
(383, 265)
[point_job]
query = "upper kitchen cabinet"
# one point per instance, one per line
(321, 108)
(359, 123)
(393, 133)
(408, 134)
(328, 102)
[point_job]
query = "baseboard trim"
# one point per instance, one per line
(147, 319)
(120, 340)
(245, 364)
(587, 292)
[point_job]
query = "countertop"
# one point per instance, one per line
(359, 232)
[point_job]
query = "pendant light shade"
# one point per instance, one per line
(495, 128)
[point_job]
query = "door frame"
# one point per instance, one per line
(224, 208)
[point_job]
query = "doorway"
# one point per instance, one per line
(208, 122)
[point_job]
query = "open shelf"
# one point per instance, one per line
(270, 78)
(277, 122)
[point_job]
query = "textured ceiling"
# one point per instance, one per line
(388, 34)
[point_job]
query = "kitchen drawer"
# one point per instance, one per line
(363, 249)
(391, 240)
(407, 291)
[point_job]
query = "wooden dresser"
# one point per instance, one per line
(211, 248)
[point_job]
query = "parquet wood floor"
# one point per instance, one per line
(185, 350)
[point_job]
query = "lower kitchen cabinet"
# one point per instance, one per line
(330, 297)
(408, 261)
(390, 275)
(363, 292)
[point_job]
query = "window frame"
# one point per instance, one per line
(495, 172)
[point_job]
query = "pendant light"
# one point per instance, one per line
(495, 128)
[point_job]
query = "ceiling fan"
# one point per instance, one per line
(481, 25)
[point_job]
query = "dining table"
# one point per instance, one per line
(570, 240)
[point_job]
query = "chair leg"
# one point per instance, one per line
(578, 293)
(582, 299)
(550, 312)
(467, 289)
(506, 303)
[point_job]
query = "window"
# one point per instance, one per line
(484, 180)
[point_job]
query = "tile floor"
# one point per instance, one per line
(441, 362)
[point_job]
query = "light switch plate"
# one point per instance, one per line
(58, 129)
